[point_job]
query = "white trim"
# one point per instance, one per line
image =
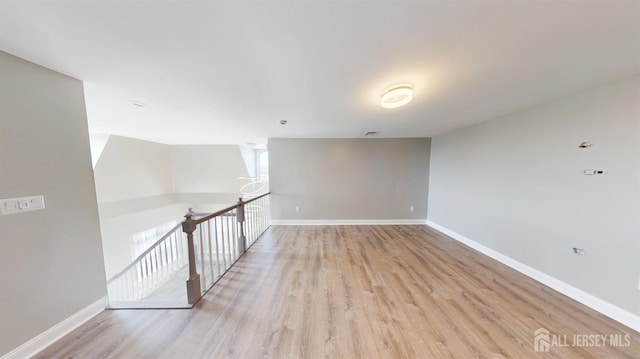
(616, 313)
(53, 334)
(348, 222)
(150, 305)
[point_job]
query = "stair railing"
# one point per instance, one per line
(152, 267)
(207, 244)
(216, 241)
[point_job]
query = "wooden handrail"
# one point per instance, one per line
(189, 226)
(230, 208)
(198, 221)
(216, 214)
(256, 198)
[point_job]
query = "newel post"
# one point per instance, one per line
(242, 245)
(193, 283)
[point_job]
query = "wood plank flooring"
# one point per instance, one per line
(354, 292)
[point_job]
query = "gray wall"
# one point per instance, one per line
(514, 184)
(347, 179)
(51, 260)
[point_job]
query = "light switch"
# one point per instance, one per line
(21, 205)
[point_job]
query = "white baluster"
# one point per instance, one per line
(211, 274)
(215, 231)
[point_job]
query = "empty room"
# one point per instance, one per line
(319, 179)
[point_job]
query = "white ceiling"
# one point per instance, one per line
(227, 72)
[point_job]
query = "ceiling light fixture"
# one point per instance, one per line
(396, 96)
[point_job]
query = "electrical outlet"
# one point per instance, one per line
(594, 172)
(411, 209)
(297, 209)
(579, 251)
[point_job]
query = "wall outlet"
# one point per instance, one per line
(411, 209)
(297, 208)
(21, 205)
(579, 251)
(594, 172)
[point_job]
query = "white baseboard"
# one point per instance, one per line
(346, 222)
(618, 314)
(51, 335)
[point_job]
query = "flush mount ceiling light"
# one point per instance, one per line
(396, 96)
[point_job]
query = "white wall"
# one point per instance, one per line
(349, 179)
(250, 160)
(117, 230)
(142, 184)
(134, 188)
(514, 184)
(211, 169)
(51, 260)
(131, 168)
(97, 142)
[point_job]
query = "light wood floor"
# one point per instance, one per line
(354, 292)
